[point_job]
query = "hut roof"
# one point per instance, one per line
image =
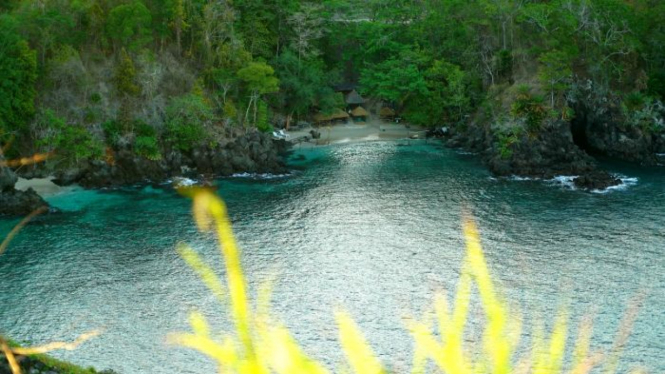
(359, 112)
(344, 87)
(340, 114)
(336, 114)
(387, 112)
(354, 98)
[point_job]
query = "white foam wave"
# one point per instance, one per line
(566, 181)
(517, 178)
(183, 182)
(626, 183)
(259, 175)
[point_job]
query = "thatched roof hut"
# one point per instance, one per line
(338, 114)
(354, 98)
(359, 112)
(387, 112)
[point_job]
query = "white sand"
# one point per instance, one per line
(43, 186)
(351, 132)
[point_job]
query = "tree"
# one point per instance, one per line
(178, 21)
(394, 80)
(307, 25)
(303, 84)
(18, 69)
(186, 119)
(555, 72)
(130, 25)
(259, 79)
(125, 76)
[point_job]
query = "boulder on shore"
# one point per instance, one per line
(596, 180)
(12, 201)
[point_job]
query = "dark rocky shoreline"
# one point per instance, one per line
(12, 201)
(253, 152)
(554, 152)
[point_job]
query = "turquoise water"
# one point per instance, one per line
(373, 228)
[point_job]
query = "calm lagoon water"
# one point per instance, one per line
(372, 228)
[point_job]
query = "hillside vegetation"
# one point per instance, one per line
(83, 76)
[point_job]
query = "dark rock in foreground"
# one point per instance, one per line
(12, 201)
(20, 203)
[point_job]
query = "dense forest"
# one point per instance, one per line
(81, 77)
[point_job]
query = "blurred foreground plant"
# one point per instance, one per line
(260, 344)
(11, 351)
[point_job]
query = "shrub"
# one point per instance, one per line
(96, 98)
(187, 117)
(530, 108)
(230, 111)
(112, 131)
(147, 147)
(146, 143)
(507, 136)
(71, 142)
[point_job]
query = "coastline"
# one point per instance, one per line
(372, 130)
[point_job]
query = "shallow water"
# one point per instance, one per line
(373, 228)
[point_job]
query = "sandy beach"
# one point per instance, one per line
(372, 130)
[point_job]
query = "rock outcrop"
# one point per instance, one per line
(12, 201)
(550, 153)
(253, 153)
(603, 125)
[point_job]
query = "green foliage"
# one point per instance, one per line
(146, 143)
(18, 74)
(230, 111)
(530, 108)
(657, 84)
(96, 98)
(555, 73)
(147, 147)
(644, 112)
(262, 118)
(394, 80)
(432, 60)
(259, 78)
(505, 68)
(187, 119)
(113, 130)
(304, 84)
(506, 138)
(427, 92)
(130, 25)
(125, 76)
(72, 143)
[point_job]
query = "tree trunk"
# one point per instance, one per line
(249, 106)
(288, 121)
